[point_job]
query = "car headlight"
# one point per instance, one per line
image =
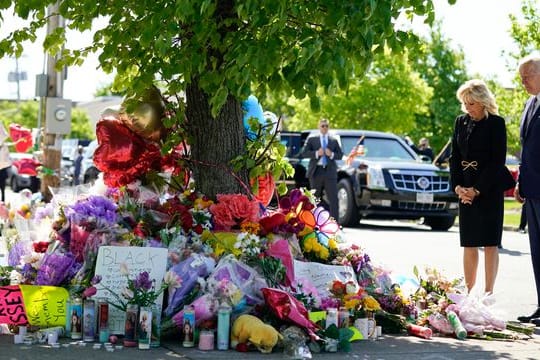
(375, 178)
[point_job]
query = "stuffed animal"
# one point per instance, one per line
(251, 328)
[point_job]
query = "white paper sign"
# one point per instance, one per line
(137, 259)
(322, 275)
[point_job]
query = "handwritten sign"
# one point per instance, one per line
(12, 306)
(321, 275)
(137, 260)
(45, 305)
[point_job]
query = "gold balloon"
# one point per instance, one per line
(146, 117)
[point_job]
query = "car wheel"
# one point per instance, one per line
(91, 175)
(13, 184)
(35, 185)
(348, 212)
(440, 223)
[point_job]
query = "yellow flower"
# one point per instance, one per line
(332, 244)
(351, 303)
(324, 253)
(370, 304)
(250, 227)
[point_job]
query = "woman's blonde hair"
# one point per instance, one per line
(476, 90)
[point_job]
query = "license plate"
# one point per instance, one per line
(425, 198)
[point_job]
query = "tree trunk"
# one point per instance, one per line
(215, 142)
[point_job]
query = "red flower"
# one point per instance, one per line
(41, 247)
(338, 288)
(198, 229)
(269, 223)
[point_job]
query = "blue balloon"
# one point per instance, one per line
(252, 109)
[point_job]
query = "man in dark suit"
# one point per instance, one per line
(528, 188)
(323, 150)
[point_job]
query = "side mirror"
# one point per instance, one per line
(425, 158)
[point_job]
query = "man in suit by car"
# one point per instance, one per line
(528, 188)
(323, 150)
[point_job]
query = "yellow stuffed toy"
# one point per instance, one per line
(251, 328)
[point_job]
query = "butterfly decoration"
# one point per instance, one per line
(320, 222)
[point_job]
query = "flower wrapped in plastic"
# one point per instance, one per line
(245, 278)
(477, 314)
(189, 271)
(287, 308)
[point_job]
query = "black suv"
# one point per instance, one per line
(381, 177)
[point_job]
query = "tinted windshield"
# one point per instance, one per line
(377, 148)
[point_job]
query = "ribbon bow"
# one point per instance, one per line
(472, 164)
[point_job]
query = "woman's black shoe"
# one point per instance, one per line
(527, 319)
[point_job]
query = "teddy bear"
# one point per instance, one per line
(251, 328)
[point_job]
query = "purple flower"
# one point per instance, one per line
(96, 210)
(43, 212)
(96, 279)
(18, 250)
(55, 269)
(143, 281)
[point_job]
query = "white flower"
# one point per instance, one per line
(127, 294)
(172, 280)
(15, 277)
(124, 270)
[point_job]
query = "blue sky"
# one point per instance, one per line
(479, 27)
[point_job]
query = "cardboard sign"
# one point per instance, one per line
(12, 306)
(34, 305)
(322, 275)
(137, 259)
(45, 305)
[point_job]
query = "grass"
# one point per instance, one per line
(512, 212)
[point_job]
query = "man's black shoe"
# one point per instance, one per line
(527, 319)
(536, 321)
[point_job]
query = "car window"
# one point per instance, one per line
(384, 148)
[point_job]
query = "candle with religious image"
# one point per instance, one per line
(144, 327)
(188, 326)
(89, 320)
(75, 318)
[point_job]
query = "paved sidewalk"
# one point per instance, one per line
(387, 348)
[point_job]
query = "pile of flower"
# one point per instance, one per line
(226, 252)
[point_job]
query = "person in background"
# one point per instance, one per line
(77, 166)
(423, 147)
(3, 178)
(527, 188)
(323, 150)
(477, 163)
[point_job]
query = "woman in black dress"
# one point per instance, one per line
(477, 170)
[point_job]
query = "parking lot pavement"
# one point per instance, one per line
(389, 347)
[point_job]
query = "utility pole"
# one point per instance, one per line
(57, 111)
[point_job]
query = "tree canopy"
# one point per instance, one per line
(210, 55)
(387, 98)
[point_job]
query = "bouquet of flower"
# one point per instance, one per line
(140, 290)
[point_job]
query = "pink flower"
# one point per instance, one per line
(89, 292)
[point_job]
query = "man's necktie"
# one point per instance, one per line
(529, 116)
(324, 144)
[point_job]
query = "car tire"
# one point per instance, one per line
(13, 184)
(348, 212)
(440, 223)
(35, 185)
